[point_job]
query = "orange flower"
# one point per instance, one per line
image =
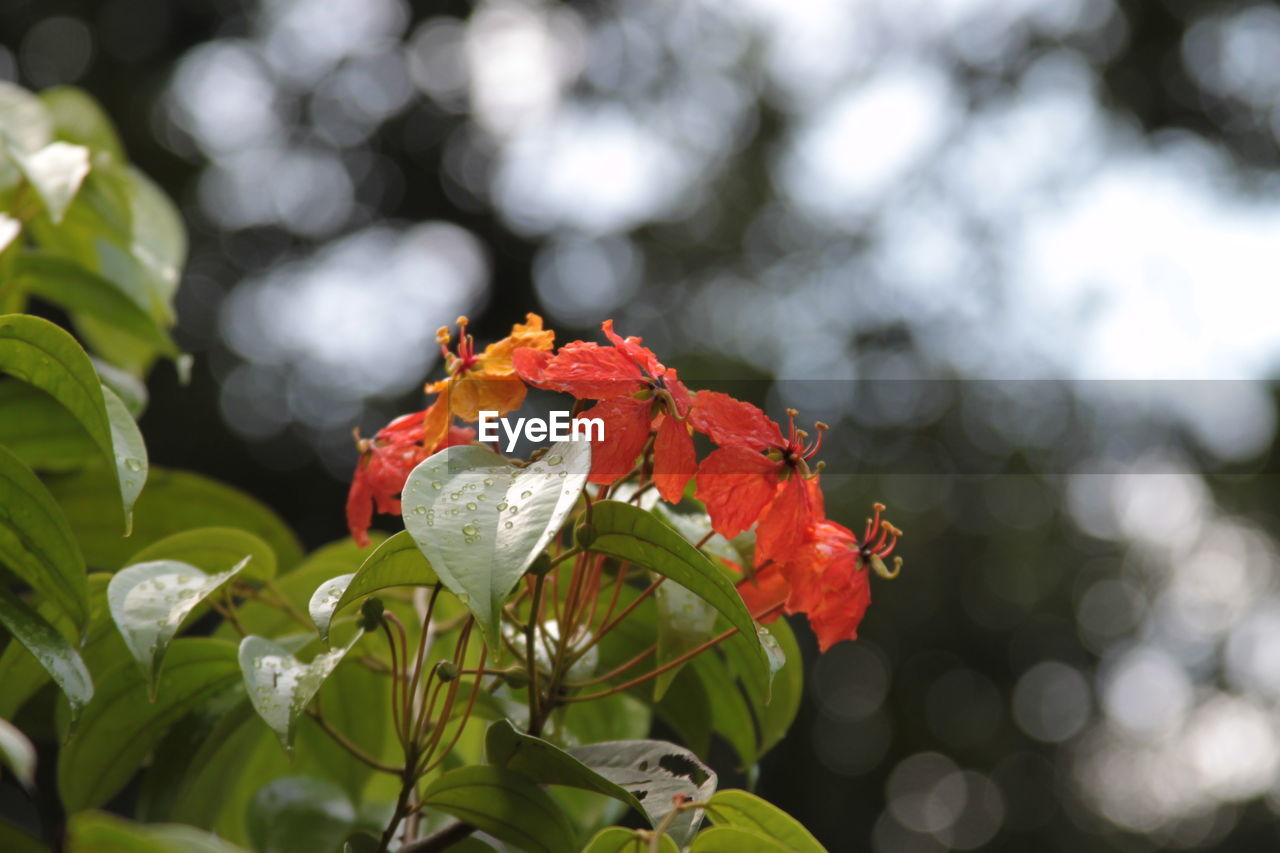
(485, 381)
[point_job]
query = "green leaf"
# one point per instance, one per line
(654, 771)
(38, 352)
(395, 562)
(17, 753)
(120, 727)
(25, 124)
(55, 172)
(615, 839)
(632, 535)
(159, 239)
(730, 714)
(280, 686)
(50, 648)
(96, 832)
(150, 600)
(505, 804)
(39, 431)
(548, 764)
(78, 118)
(214, 550)
(685, 621)
(481, 520)
(174, 501)
(300, 813)
(70, 286)
(745, 810)
(324, 602)
(15, 840)
(734, 839)
(36, 542)
(775, 701)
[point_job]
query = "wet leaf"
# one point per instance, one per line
(280, 686)
(505, 804)
(50, 648)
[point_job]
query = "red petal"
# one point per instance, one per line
(591, 372)
(626, 429)
(729, 421)
(530, 364)
(847, 597)
(674, 461)
(789, 520)
(642, 356)
(735, 484)
(764, 593)
(359, 507)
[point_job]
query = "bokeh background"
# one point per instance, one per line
(1021, 254)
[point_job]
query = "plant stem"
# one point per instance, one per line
(530, 658)
(671, 664)
(343, 741)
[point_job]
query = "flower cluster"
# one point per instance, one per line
(757, 476)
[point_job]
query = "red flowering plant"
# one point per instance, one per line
(487, 677)
(606, 581)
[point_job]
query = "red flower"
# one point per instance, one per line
(386, 460)
(636, 394)
(757, 475)
(826, 579)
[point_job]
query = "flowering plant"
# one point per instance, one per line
(488, 676)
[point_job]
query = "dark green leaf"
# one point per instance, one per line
(49, 647)
(150, 600)
(685, 621)
(745, 810)
(300, 814)
(14, 840)
(38, 352)
(481, 520)
(120, 727)
(36, 542)
(174, 501)
(655, 772)
(635, 536)
(775, 702)
(70, 286)
(96, 832)
(39, 431)
(505, 804)
(548, 764)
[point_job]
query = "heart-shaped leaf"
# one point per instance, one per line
(149, 600)
(281, 686)
(49, 647)
(655, 772)
(481, 520)
(18, 754)
(324, 602)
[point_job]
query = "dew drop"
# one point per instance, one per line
(509, 525)
(564, 474)
(514, 510)
(501, 506)
(488, 481)
(419, 510)
(525, 495)
(555, 460)
(471, 504)
(470, 529)
(437, 485)
(132, 464)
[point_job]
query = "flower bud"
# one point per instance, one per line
(516, 677)
(446, 670)
(584, 534)
(371, 614)
(541, 565)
